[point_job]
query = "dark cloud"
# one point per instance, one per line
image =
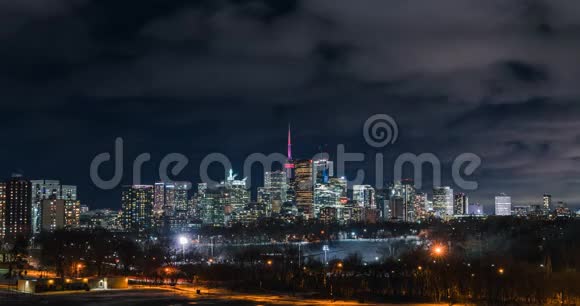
(489, 77)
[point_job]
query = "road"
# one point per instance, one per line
(162, 297)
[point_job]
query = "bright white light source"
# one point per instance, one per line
(183, 240)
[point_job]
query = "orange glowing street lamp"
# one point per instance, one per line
(79, 267)
(438, 251)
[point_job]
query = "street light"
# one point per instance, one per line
(325, 248)
(79, 267)
(438, 250)
(183, 241)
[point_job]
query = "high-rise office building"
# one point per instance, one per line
(50, 189)
(72, 206)
(326, 195)
(275, 179)
(159, 197)
(396, 208)
(460, 204)
(408, 194)
(53, 214)
(72, 213)
(364, 196)
(2, 210)
(41, 190)
(443, 201)
(171, 205)
(420, 204)
(304, 188)
(234, 193)
(503, 205)
(137, 204)
(322, 171)
(339, 184)
(401, 199)
(211, 208)
(68, 192)
(18, 207)
(181, 195)
(179, 221)
(277, 183)
(547, 201)
(265, 197)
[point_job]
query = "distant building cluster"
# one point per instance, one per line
(303, 190)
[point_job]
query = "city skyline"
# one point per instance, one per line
(259, 176)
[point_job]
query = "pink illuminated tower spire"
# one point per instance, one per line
(289, 163)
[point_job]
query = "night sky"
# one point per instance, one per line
(495, 78)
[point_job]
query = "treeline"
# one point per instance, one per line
(493, 261)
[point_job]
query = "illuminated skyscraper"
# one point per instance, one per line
(443, 201)
(326, 195)
(364, 196)
(275, 191)
(211, 208)
(547, 200)
(401, 199)
(137, 204)
(503, 205)
(18, 207)
(420, 206)
(181, 195)
(304, 188)
(277, 182)
(159, 198)
(322, 170)
(460, 204)
(51, 189)
(72, 213)
(234, 193)
(408, 194)
(41, 190)
(339, 184)
(171, 205)
(53, 214)
(68, 192)
(72, 206)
